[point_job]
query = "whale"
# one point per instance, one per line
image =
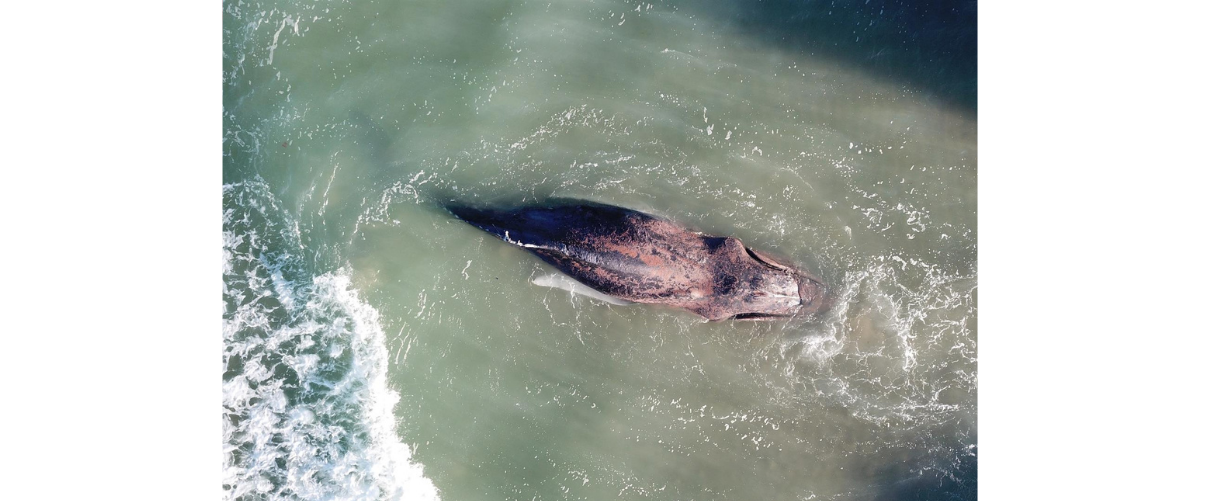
(634, 257)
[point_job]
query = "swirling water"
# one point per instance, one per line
(378, 348)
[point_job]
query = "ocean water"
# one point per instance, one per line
(377, 348)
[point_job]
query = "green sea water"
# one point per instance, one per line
(378, 348)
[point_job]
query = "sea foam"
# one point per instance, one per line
(307, 409)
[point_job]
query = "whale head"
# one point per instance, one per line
(774, 289)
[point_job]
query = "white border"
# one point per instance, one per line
(1090, 177)
(112, 204)
(1089, 170)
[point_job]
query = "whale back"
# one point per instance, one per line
(549, 225)
(620, 252)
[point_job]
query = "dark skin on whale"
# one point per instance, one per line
(643, 258)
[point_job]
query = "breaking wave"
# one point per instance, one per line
(307, 410)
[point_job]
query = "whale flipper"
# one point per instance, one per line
(563, 281)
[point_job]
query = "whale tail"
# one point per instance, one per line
(513, 227)
(545, 224)
(468, 213)
(495, 222)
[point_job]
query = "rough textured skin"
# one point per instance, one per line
(646, 259)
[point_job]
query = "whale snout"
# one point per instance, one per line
(813, 295)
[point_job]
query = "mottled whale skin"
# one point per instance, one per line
(642, 258)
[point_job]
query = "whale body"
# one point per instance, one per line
(632, 256)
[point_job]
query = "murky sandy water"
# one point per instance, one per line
(354, 119)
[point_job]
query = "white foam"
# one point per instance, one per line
(308, 412)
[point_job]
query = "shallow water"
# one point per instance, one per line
(377, 347)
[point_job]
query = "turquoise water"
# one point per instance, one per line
(378, 348)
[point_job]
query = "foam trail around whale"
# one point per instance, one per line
(308, 413)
